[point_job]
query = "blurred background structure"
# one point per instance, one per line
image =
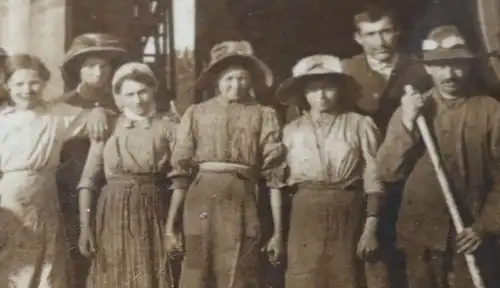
(281, 31)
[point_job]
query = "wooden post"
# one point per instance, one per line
(19, 26)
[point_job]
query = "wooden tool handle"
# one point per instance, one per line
(448, 196)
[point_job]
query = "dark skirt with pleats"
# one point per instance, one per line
(222, 233)
(325, 228)
(130, 220)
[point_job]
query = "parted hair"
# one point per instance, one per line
(374, 11)
(26, 61)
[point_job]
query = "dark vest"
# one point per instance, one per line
(381, 97)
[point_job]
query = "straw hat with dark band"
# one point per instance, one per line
(445, 43)
(90, 44)
(326, 67)
(239, 53)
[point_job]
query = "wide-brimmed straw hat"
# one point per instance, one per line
(319, 66)
(230, 53)
(445, 43)
(134, 69)
(105, 45)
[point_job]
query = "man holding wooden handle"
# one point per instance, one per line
(466, 131)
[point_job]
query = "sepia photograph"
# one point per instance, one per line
(249, 144)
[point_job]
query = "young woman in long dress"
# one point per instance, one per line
(87, 69)
(33, 250)
(127, 247)
(331, 158)
(233, 141)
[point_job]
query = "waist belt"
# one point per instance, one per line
(223, 167)
(347, 186)
(137, 177)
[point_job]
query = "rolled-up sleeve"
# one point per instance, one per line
(370, 141)
(94, 166)
(273, 150)
(399, 151)
(183, 151)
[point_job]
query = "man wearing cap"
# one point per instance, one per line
(87, 70)
(466, 128)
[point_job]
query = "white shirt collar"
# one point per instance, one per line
(384, 68)
(134, 117)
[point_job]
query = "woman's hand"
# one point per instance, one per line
(173, 242)
(274, 249)
(97, 124)
(367, 245)
(86, 242)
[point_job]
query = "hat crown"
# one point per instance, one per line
(318, 64)
(96, 40)
(443, 37)
(229, 48)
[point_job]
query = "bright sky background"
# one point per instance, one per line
(184, 24)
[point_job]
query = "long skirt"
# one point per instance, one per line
(33, 250)
(73, 156)
(130, 220)
(222, 233)
(324, 232)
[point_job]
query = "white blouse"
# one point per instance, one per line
(338, 149)
(32, 139)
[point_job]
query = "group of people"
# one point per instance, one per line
(363, 187)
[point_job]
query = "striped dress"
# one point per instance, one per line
(132, 206)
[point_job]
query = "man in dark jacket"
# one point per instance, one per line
(466, 128)
(382, 72)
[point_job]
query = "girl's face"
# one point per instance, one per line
(321, 95)
(234, 83)
(25, 87)
(136, 97)
(95, 72)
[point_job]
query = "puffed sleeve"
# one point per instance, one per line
(374, 189)
(370, 141)
(94, 166)
(183, 151)
(273, 150)
(168, 129)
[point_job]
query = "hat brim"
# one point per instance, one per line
(261, 73)
(447, 54)
(291, 91)
(71, 65)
